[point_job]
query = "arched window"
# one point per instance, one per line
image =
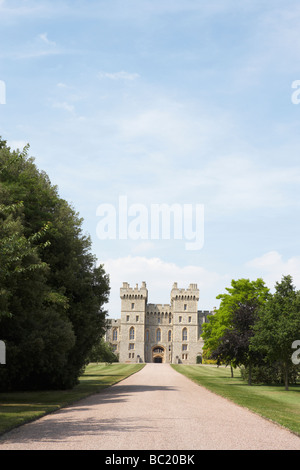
(131, 333)
(158, 335)
(169, 335)
(184, 334)
(115, 334)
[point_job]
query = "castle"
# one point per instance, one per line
(169, 333)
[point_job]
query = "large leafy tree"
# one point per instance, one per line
(17, 254)
(242, 291)
(234, 345)
(103, 352)
(278, 327)
(51, 292)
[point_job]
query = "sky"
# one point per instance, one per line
(188, 103)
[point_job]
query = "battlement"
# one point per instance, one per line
(191, 293)
(150, 332)
(127, 292)
(158, 308)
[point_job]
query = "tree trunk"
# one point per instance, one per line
(286, 376)
(250, 374)
(231, 368)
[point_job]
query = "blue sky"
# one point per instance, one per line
(165, 101)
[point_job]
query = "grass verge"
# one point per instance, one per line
(271, 402)
(18, 408)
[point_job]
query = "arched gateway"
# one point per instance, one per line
(158, 354)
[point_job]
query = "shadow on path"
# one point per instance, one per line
(65, 425)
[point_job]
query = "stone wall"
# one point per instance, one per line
(158, 332)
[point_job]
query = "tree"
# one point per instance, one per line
(278, 327)
(17, 254)
(38, 339)
(242, 291)
(234, 345)
(51, 292)
(102, 352)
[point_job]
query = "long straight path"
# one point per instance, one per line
(154, 409)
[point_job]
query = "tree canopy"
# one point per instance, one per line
(242, 291)
(278, 327)
(234, 345)
(52, 295)
(253, 327)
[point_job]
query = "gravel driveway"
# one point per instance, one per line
(154, 409)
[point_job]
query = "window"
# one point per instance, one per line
(131, 346)
(115, 335)
(190, 319)
(127, 317)
(185, 306)
(158, 335)
(147, 335)
(184, 334)
(137, 318)
(184, 347)
(131, 333)
(169, 335)
(132, 306)
(180, 319)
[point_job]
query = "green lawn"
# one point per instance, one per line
(271, 402)
(21, 407)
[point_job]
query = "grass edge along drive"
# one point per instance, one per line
(18, 408)
(271, 402)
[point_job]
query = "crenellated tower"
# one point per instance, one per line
(184, 303)
(133, 312)
(148, 332)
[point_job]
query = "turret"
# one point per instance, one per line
(184, 304)
(133, 311)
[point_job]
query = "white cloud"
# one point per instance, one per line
(178, 155)
(143, 247)
(44, 38)
(272, 267)
(159, 277)
(27, 8)
(17, 144)
(148, 9)
(65, 106)
(31, 52)
(237, 182)
(202, 154)
(39, 46)
(183, 133)
(119, 75)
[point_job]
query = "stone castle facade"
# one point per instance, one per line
(169, 333)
